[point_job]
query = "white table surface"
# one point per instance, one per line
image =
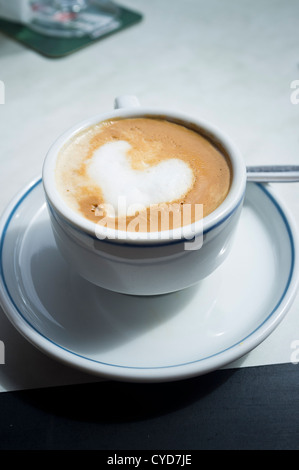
(227, 61)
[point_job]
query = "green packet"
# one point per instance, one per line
(55, 47)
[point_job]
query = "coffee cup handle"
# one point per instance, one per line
(126, 101)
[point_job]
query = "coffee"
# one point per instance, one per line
(141, 174)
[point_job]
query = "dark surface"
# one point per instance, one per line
(247, 408)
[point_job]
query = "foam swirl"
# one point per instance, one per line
(111, 170)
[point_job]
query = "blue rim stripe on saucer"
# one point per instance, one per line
(170, 366)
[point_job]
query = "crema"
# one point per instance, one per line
(142, 174)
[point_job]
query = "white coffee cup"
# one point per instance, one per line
(146, 264)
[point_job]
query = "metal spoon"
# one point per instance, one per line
(273, 173)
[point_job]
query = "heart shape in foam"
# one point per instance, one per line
(127, 190)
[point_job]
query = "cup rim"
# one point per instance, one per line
(188, 232)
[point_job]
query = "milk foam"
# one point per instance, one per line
(111, 170)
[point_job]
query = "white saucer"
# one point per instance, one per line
(161, 338)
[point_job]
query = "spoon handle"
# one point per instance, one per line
(273, 173)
